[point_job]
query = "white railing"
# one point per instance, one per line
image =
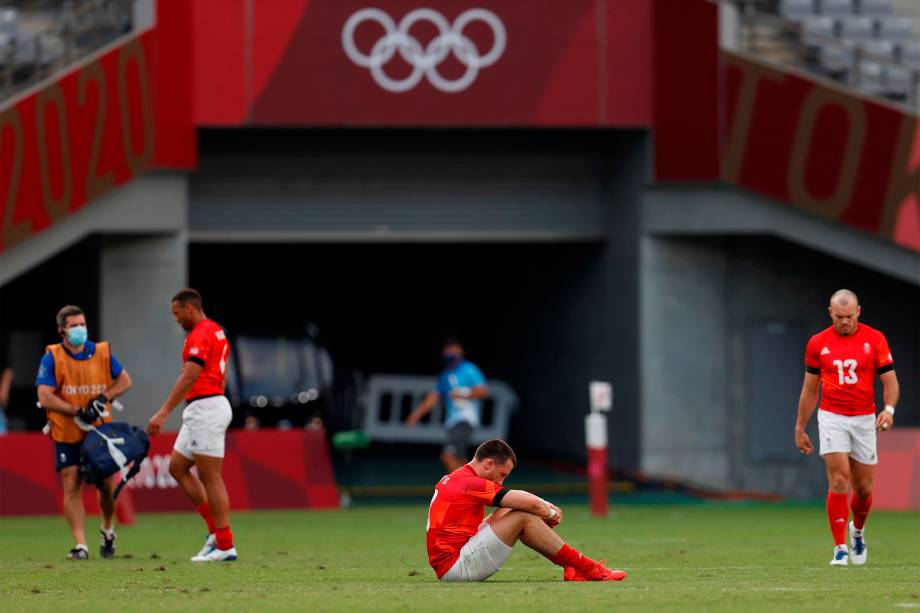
(390, 399)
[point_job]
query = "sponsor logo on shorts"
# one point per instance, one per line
(63, 458)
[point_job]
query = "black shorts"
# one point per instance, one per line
(66, 454)
(458, 439)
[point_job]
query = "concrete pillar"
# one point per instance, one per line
(686, 421)
(628, 174)
(138, 276)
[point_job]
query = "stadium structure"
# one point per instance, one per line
(661, 194)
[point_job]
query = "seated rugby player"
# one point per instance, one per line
(464, 545)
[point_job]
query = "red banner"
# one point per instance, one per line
(97, 126)
(392, 62)
(897, 481)
(823, 149)
(808, 143)
(266, 469)
(686, 79)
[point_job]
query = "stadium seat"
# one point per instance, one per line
(836, 59)
(836, 8)
(8, 22)
(898, 82)
(880, 48)
(815, 30)
(909, 52)
(871, 78)
(874, 8)
(797, 9)
(857, 28)
(10, 38)
(895, 28)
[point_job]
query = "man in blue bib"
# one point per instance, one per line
(461, 387)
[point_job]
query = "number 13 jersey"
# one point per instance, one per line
(847, 366)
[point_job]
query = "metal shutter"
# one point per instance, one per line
(402, 196)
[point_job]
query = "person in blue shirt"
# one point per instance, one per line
(6, 382)
(79, 378)
(461, 388)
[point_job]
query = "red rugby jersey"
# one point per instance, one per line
(848, 366)
(457, 509)
(207, 346)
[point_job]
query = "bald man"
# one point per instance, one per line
(842, 362)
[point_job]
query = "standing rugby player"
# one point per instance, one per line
(842, 361)
(204, 423)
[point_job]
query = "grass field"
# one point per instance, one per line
(679, 558)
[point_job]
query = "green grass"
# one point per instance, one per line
(679, 558)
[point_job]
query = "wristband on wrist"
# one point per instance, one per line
(889, 409)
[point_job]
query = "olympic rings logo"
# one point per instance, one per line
(424, 61)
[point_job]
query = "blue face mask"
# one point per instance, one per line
(450, 359)
(76, 335)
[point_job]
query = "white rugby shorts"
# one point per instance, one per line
(204, 424)
(480, 558)
(851, 434)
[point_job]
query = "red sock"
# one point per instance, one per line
(205, 511)
(860, 508)
(569, 556)
(838, 512)
(224, 538)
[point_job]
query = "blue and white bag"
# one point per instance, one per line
(110, 448)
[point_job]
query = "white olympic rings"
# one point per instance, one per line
(424, 61)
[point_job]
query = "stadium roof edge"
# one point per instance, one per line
(720, 210)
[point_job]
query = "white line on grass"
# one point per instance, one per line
(780, 589)
(673, 568)
(656, 541)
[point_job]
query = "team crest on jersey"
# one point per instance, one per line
(867, 348)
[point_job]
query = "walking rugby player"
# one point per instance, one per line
(207, 415)
(842, 361)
